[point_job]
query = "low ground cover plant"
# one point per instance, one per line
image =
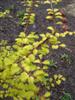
(24, 71)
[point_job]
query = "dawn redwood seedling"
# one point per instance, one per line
(66, 58)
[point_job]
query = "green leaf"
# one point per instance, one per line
(5, 86)
(39, 72)
(58, 82)
(51, 29)
(53, 40)
(37, 61)
(55, 46)
(22, 35)
(29, 95)
(14, 68)
(24, 76)
(7, 61)
(35, 51)
(46, 62)
(31, 57)
(67, 96)
(31, 80)
(37, 98)
(47, 94)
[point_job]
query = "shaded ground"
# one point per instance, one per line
(9, 30)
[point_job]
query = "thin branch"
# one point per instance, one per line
(29, 14)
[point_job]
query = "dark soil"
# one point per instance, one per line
(9, 30)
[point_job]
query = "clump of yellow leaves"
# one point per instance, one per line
(4, 14)
(57, 80)
(53, 1)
